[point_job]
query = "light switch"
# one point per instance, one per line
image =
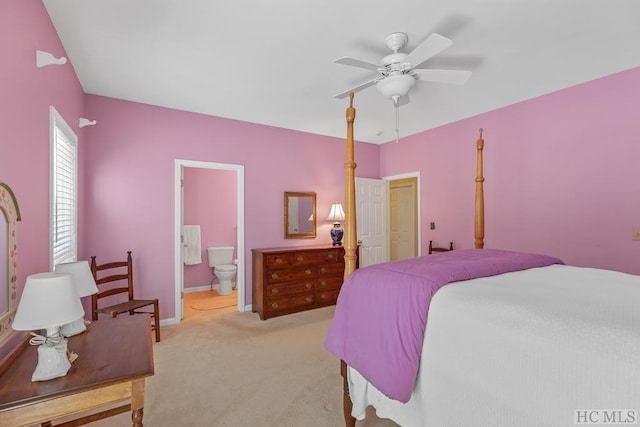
(635, 233)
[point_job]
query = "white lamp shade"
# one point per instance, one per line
(336, 213)
(397, 85)
(48, 300)
(82, 277)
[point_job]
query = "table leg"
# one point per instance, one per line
(137, 402)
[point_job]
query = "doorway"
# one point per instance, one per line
(403, 218)
(374, 217)
(407, 221)
(180, 165)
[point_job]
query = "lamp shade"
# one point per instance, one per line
(48, 301)
(81, 275)
(395, 85)
(336, 213)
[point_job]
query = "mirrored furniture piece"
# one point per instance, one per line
(299, 215)
(9, 215)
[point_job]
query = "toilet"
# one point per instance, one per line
(221, 263)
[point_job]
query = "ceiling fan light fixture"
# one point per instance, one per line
(395, 86)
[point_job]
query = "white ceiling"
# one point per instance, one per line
(271, 62)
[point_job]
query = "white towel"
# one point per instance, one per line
(191, 245)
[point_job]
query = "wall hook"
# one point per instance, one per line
(45, 58)
(86, 122)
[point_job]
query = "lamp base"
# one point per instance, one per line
(336, 234)
(74, 328)
(52, 362)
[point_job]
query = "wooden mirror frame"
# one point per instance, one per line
(11, 213)
(292, 218)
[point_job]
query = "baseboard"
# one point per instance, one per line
(201, 288)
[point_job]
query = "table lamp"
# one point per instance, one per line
(336, 214)
(48, 301)
(85, 286)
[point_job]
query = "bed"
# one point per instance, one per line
(484, 337)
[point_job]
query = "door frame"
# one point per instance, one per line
(418, 202)
(179, 221)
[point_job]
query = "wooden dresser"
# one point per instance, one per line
(288, 280)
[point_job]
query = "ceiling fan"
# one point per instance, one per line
(397, 72)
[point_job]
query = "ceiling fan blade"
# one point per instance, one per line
(433, 45)
(456, 77)
(357, 88)
(357, 63)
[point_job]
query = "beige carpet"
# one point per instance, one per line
(225, 368)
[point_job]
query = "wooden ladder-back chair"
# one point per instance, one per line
(114, 272)
(433, 249)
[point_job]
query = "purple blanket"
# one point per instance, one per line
(381, 313)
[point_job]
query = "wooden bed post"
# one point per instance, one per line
(479, 203)
(349, 243)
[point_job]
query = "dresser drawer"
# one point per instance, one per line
(277, 260)
(290, 274)
(290, 304)
(314, 257)
(327, 298)
(274, 292)
(331, 269)
(329, 283)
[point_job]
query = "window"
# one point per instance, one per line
(64, 189)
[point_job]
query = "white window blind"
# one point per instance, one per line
(64, 185)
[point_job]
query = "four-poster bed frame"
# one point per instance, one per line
(350, 227)
(508, 339)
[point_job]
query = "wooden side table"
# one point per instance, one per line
(114, 358)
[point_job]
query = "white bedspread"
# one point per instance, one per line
(523, 349)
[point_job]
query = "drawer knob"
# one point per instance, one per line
(330, 256)
(309, 299)
(274, 305)
(323, 296)
(278, 260)
(308, 285)
(274, 276)
(275, 291)
(323, 269)
(323, 283)
(307, 272)
(300, 258)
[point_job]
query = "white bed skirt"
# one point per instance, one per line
(550, 346)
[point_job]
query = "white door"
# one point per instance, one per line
(372, 219)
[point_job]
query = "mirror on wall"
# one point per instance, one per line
(9, 214)
(299, 215)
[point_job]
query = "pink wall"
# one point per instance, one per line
(210, 200)
(26, 92)
(130, 198)
(559, 168)
(127, 163)
(561, 173)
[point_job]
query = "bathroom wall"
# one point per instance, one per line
(210, 201)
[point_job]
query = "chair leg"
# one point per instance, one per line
(156, 315)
